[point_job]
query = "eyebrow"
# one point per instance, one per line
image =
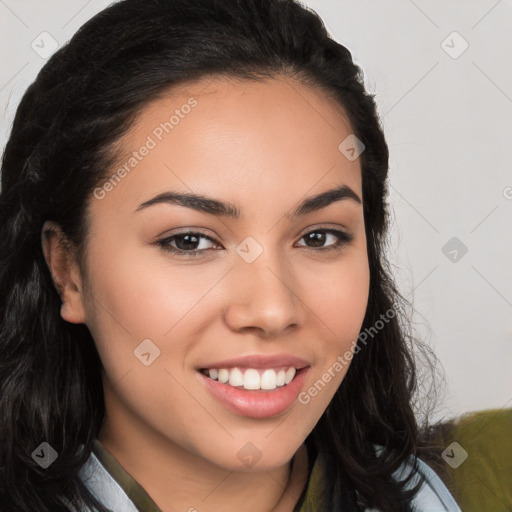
(218, 208)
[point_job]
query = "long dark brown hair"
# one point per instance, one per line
(61, 147)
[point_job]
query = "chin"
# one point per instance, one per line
(255, 456)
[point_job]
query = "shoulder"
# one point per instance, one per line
(433, 496)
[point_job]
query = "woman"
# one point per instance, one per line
(196, 310)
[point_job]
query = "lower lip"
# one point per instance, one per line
(256, 403)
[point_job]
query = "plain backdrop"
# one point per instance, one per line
(441, 72)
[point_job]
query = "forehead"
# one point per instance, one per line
(229, 137)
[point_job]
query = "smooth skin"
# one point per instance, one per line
(265, 147)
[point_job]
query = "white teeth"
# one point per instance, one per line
(268, 380)
(290, 373)
(236, 377)
(252, 378)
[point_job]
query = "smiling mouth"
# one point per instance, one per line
(253, 378)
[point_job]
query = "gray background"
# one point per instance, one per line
(447, 114)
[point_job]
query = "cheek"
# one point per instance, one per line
(135, 294)
(340, 298)
(133, 299)
(142, 291)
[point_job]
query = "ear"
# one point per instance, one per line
(61, 261)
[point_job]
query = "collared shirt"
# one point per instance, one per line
(117, 490)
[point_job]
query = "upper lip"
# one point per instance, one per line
(260, 361)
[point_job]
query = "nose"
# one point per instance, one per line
(263, 297)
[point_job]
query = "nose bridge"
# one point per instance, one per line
(262, 293)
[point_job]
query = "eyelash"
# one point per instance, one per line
(343, 240)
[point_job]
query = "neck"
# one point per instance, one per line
(177, 479)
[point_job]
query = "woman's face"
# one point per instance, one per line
(267, 287)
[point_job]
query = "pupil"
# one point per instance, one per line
(317, 237)
(188, 237)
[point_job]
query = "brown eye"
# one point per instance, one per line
(187, 243)
(318, 238)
